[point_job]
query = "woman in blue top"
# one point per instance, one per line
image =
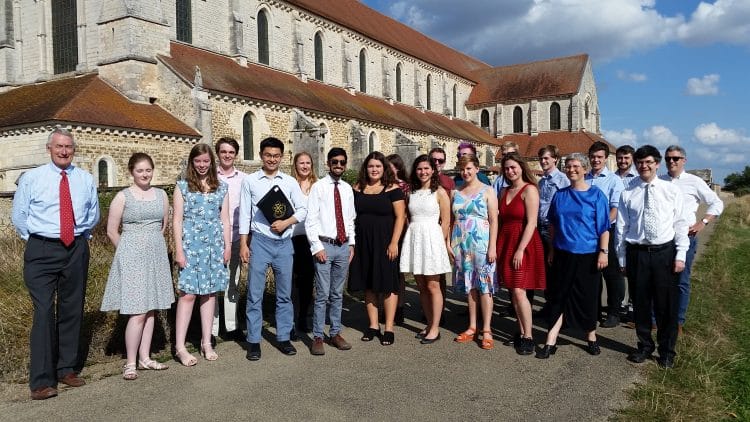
(579, 220)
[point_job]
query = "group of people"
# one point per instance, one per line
(553, 234)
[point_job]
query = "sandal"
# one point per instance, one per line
(388, 338)
(186, 359)
(466, 336)
(208, 352)
(151, 364)
(370, 334)
(487, 342)
(128, 372)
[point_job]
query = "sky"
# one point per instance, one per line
(667, 71)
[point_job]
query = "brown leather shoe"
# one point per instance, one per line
(679, 329)
(72, 379)
(338, 342)
(43, 393)
(318, 348)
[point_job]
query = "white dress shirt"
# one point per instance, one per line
(696, 190)
(670, 218)
(254, 187)
(321, 212)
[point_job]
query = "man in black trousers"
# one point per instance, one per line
(54, 209)
(652, 242)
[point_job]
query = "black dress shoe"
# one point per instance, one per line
(426, 340)
(253, 351)
(612, 321)
(287, 348)
(526, 346)
(665, 362)
(546, 351)
(593, 348)
(639, 356)
(420, 335)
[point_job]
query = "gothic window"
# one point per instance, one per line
(517, 120)
(371, 143)
(103, 173)
(247, 136)
(362, 71)
(398, 82)
(318, 56)
(455, 94)
(6, 23)
(484, 120)
(263, 56)
(554, 116)
(428, 85)
(184, 21)
(586, 111)
(64, 36)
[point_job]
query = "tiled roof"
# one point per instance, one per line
(221, 74)
(566, 142)
(544, 79)
(356, 16)
(85, 100)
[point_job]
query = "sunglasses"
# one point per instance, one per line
(673, 159)
(438, 160)
(335, 162)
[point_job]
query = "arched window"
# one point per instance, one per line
(517, 120)
(103, 168)
(362, 70)
(428, 85)
(318, 56)
(586, 110)
(484, 120)
(455, 95)
(184, 21)
(398, 82)
(554, 116)
(64, 36)
(371, 143)
(263, 56)
(247, 137)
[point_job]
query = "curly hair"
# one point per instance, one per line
(414, 181)
(388, 177)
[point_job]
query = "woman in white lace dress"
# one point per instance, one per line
(426, 243)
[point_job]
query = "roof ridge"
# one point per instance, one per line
(554, 59)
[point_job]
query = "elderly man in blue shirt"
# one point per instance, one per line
(54, 210)
(264, 243)
(612, 186)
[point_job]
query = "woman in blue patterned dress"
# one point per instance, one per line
(473, 247)
(202, 247)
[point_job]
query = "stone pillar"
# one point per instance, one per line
(575, 113)
(82, 65)
(534, 117)
(498, 120)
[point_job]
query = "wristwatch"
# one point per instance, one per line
(705, 222)
(604, 251)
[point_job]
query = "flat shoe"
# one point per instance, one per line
(128, 372)
(370, 334)
(593, 348)
(151, 364)
(208, 352)
(426, 340)
(185, 358)
(546, 351)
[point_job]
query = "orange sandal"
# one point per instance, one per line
(466, 336)
(487, 342)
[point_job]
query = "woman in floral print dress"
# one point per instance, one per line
(202, 247)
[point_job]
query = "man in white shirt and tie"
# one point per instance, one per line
(652, 241)
(695, 191)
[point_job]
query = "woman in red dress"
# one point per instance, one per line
(519, 247)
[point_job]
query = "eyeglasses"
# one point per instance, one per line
(646, 162)
(438, 160)
(335, 162)
(673, 159)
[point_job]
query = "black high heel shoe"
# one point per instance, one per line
(546, 351)
(388, 338)
(370, 334)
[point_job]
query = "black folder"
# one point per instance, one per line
(275, 205)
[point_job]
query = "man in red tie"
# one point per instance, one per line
(54, 209)
(330, 230)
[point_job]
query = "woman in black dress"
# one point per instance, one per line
(381, 213)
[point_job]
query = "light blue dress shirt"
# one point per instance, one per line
(36, 204)
(254, 188)
(548, 185)
(609, 183)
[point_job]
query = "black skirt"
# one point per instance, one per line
(573, 290)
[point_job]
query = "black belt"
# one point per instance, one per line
(332, 241)
(50, 239)
(650, 248)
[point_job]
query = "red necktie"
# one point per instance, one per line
(340, 230)
(67, 220)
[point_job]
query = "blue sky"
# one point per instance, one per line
(667, 71)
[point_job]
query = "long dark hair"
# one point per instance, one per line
(416, 184)
(398, 162)
(526, 174)
(191, 175)
(388, 177)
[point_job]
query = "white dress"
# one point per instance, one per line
(424, 251)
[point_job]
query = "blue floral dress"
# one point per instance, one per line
(202, 241)
(470, 240)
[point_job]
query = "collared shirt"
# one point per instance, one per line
(609, 183)
(254, 187)
(628, 177)
(36, 204)
(233, 179)
(446, 182)
(499, 184)
(321, 212)
(696, 190)
(670, 218)
(549, 184)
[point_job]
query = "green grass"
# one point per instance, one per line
(711, 379)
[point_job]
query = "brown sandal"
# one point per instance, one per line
(466, 336)
(487, 342)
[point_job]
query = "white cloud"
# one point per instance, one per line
(632, 77)
(707, 85)
(723, 21)
(712, 134)
(660, 136)
(625, 137)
